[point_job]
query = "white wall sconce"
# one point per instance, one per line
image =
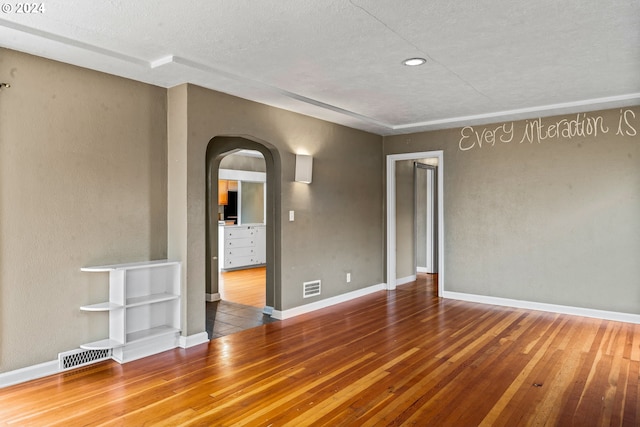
(304, 168)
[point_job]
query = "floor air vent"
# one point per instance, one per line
(311, 289)
(80, 357)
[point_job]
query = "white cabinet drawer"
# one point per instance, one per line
(239, 243)
(239, 232)
(236, 252)
(239, 261)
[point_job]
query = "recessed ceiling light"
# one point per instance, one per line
(412, 62)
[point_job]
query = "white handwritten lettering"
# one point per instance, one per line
(507, 132)
(583, 125)
(624, 125)
(538, 130)
(504, 133)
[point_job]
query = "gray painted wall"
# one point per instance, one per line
(338, 218)
(84, 165)
(252, 202)
(244, 163)
(83, 181)
(554, 220)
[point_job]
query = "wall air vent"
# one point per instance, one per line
(80, 357)
(311, 289)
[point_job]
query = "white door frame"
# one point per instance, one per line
(391, 214)
(430, 218)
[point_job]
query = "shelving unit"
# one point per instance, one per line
(143, 306)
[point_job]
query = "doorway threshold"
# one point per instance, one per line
(226, 318)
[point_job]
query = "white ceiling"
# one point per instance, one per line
(341, 60)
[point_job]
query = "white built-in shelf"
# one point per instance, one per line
(103, 306)
(151, 299)
(143, 307)
(102, 345)
(147, 334)
(128, 266)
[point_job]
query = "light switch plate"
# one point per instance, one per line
(291, 215)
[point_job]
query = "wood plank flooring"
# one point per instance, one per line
(403, 357)
(245, 286)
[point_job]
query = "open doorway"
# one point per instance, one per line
(425, 224)
(402, 220)
(241, 211)
(251, 227)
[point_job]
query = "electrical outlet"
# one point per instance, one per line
(348, 277)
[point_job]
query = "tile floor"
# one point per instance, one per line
(225, 318)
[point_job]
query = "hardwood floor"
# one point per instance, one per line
(243, 299)
(402, 357)
(245, 287)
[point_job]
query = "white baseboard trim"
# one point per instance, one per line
(405, 280)
(553, 308)
(307, 308)
(145, 348)
(29, 373)
(132, 353)
(212, 297)
(193, 340)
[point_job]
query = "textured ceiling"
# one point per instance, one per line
(340, 60)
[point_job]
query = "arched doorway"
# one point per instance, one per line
(217, 149)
